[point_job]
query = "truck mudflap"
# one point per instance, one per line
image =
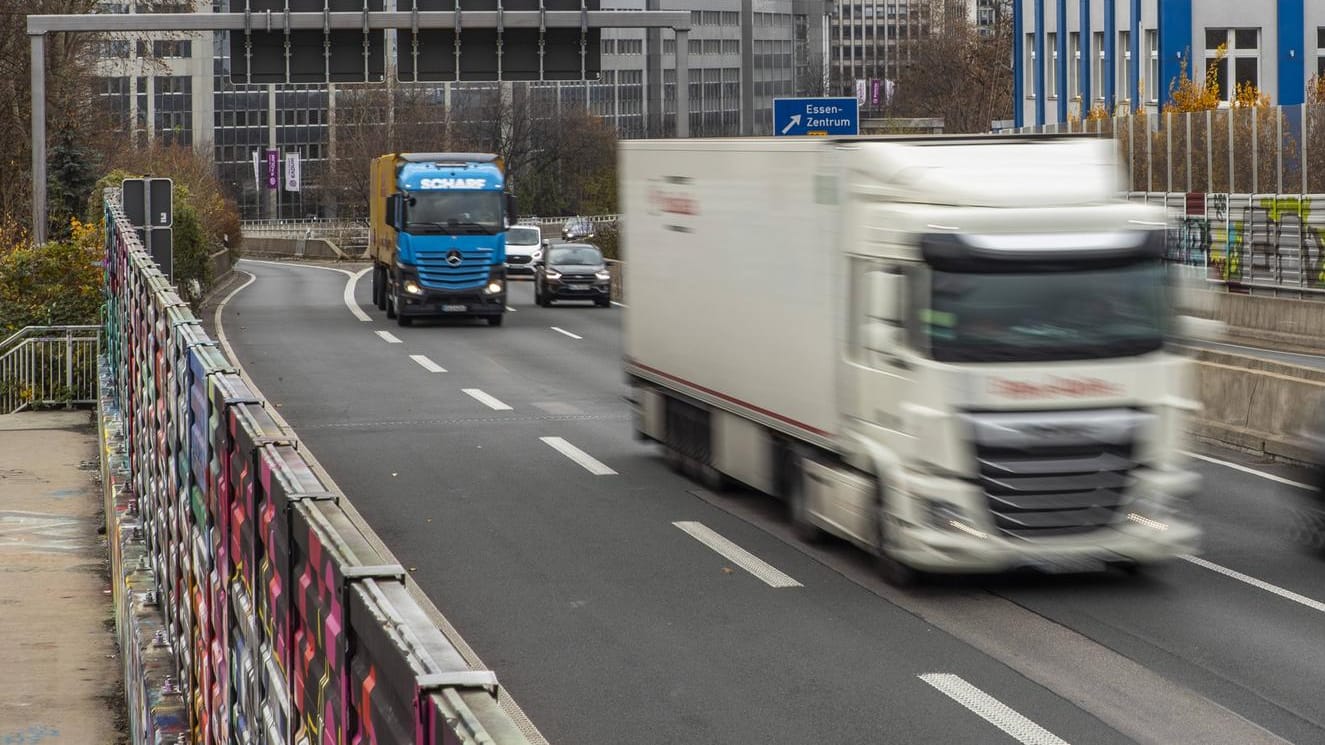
(1153, 529)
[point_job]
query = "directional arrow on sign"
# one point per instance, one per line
(795, 122)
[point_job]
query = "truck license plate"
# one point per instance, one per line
(454, 308)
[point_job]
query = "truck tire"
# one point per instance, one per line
(378, 294)
(798, 504)
(404, 320)
(495, 320)
(894, 572)
(390, 304)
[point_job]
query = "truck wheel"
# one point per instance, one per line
(404, 320)
(495, 320)
(390, 302)
(894, 572)
(798, 507)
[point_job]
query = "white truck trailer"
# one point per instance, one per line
(950, 351)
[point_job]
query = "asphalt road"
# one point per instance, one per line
(549, 538)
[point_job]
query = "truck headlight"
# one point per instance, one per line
(949, 517)
(493, 288)
(413, 288)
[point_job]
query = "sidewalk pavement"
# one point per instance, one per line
(60, 673)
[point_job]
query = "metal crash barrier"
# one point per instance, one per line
(250, 606)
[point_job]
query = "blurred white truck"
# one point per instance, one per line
(950, 351)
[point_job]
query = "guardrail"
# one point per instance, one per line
(49, 365)
(251, 606)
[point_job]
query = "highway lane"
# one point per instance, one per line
(610, 624)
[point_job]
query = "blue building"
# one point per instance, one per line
(1071, 55)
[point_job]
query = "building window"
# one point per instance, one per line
(1151, 55)
(1074, 66)
(1243, 54)
(1320, 52)
(1030, 65)
(1124, 78)
(1051, 74)
(1097, 74)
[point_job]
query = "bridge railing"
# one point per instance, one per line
(49, 366)
(252, 606)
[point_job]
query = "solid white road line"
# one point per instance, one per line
(567, 333)
(388, 337)
(992, 710)
(427, 364)
(1252, 471)
(349, 296)
(737, 555)
(509, 309)
(620, 305)
(486, 400)
(590, 464)
(1315, 605)
(1262, 349)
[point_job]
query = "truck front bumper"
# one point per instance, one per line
(434, 303)
(1145, 532)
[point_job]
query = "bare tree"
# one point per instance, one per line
(959, 71)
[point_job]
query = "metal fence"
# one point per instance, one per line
(49, 366)
(1263, 149)
(1272, 242)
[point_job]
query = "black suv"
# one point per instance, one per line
(572, 271)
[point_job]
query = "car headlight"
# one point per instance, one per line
(604, 274)
(493, 288)
(552, 274)
(413, 288)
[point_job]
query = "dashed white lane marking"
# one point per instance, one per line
(590, 464)
(567, 333)
(620, 305)
(388, 337)
(737, 555)
(349, 296)
(1252, 471)
(1315, 605)
(486, 400)
(427, 364)
(992, 710)
(509, 309)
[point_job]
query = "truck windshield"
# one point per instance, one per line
(1093, 314)
(454, 212)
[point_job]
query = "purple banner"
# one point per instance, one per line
(876, 91)
(273, 168)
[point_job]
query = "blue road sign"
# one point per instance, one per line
(816, 116)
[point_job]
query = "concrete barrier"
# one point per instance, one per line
(1288, 324)
(1255, 405)
(309, 248)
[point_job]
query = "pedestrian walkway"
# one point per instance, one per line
(60, 676)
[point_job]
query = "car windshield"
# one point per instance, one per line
(1046, 316)
(575, 256)
(454, 212)
(523, 237)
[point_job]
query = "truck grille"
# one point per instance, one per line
(1054, 491)
(473, 271)
(1056, 473)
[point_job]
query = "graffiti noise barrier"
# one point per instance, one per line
(250, 607)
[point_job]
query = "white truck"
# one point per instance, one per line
(950, 351)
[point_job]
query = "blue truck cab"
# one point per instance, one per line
(437, 235)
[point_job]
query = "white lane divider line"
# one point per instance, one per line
(509, 309)
(737, 555)
(590, 463)
(388, 337)
(1252, 471)
(567, 333)
(992, 710)
(620, 305)
(349, 296)
(1315, 605)
(427, 364)
(486, 400)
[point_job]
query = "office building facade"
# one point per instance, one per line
(1073, 55)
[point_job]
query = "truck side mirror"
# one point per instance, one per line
(512, 210)
(392, 217)
(886, 292)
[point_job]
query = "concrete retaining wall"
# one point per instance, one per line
(313, 248)
(1284, 323)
